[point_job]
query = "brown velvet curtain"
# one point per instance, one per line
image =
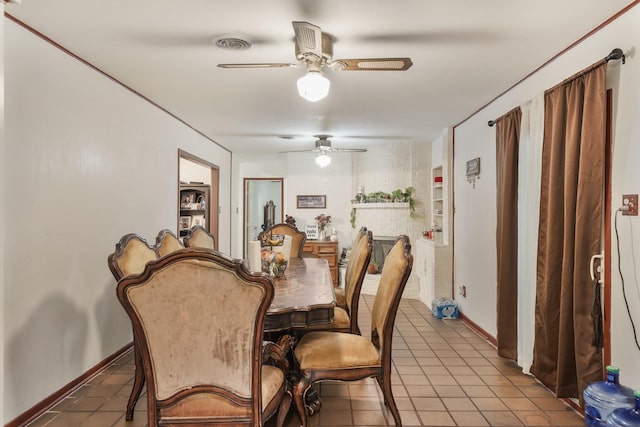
(571, 208)
(507, 137)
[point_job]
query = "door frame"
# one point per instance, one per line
(213, 210)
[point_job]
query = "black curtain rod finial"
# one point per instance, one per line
(491, 123)
(616, 54)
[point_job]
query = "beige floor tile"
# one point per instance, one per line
(458, 404)
(443, 375)
(436, 419)
(469, 419)
(502, 418)
(369, 418)
(428, 404)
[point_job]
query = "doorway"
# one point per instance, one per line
(194, 171)
(258, 193)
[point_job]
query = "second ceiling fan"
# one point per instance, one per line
(314, 49)
(323, 148)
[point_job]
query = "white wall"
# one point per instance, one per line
(334, 181)
(475, 224)
(85, 162)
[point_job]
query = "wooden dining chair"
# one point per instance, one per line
(199, 237)
(321, 356)
(199, 317)
(130, 257)
(167, 242)
(345, 319)
(298, 238)
(341, 294)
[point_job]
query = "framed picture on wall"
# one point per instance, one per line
(315, 201)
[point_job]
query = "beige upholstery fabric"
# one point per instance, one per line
(390, 279)
(188, 344)
(200, 238)
(333, 350)
(340, 320)
(203, 404)
(360, 263)
(135, 257)
(272, 380)
(341, 298)
(352, 270)
(167, 242)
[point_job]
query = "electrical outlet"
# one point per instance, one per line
(463, 291)
(631, 201)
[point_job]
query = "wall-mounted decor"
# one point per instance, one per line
(311, 202)
(473, 171)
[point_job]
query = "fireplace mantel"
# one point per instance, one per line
(381, 205)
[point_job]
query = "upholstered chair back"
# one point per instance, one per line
(355, 247)
(167, 242)
(201, 328)
(199, 237)
(298, 238)
(395, 272)
(131, 255)
(359, 260)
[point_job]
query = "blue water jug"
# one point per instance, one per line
(626, 417)
(602, 397)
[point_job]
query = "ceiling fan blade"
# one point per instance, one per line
(259, 65)
(348, 150)
(314, 150)
(308, 39)
(371, 64)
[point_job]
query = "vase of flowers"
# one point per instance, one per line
(323, 221)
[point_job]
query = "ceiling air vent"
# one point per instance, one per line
(233, 43)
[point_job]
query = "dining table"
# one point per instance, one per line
(304, 296)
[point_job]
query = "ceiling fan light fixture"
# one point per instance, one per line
(313, 86)
(323, 160)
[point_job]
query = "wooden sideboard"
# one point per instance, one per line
(324, 249)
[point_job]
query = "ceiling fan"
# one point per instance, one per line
(323, 148)
(323, 145)
(314, 49)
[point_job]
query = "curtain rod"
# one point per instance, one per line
(615, 54)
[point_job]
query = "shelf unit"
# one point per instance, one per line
(437, 202)
(191, 198)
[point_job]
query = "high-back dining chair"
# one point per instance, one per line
(345, 319)
(199, 237)
(341, 294)
(130, 257)
(167, 242)
(200, 329)
(298, 238)
(322, 355)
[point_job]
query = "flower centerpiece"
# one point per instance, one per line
(323, 221)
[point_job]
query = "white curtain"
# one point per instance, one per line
(529, 173)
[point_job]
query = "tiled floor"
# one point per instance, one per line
(445, 375)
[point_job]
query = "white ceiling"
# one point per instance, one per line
(464, 54)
